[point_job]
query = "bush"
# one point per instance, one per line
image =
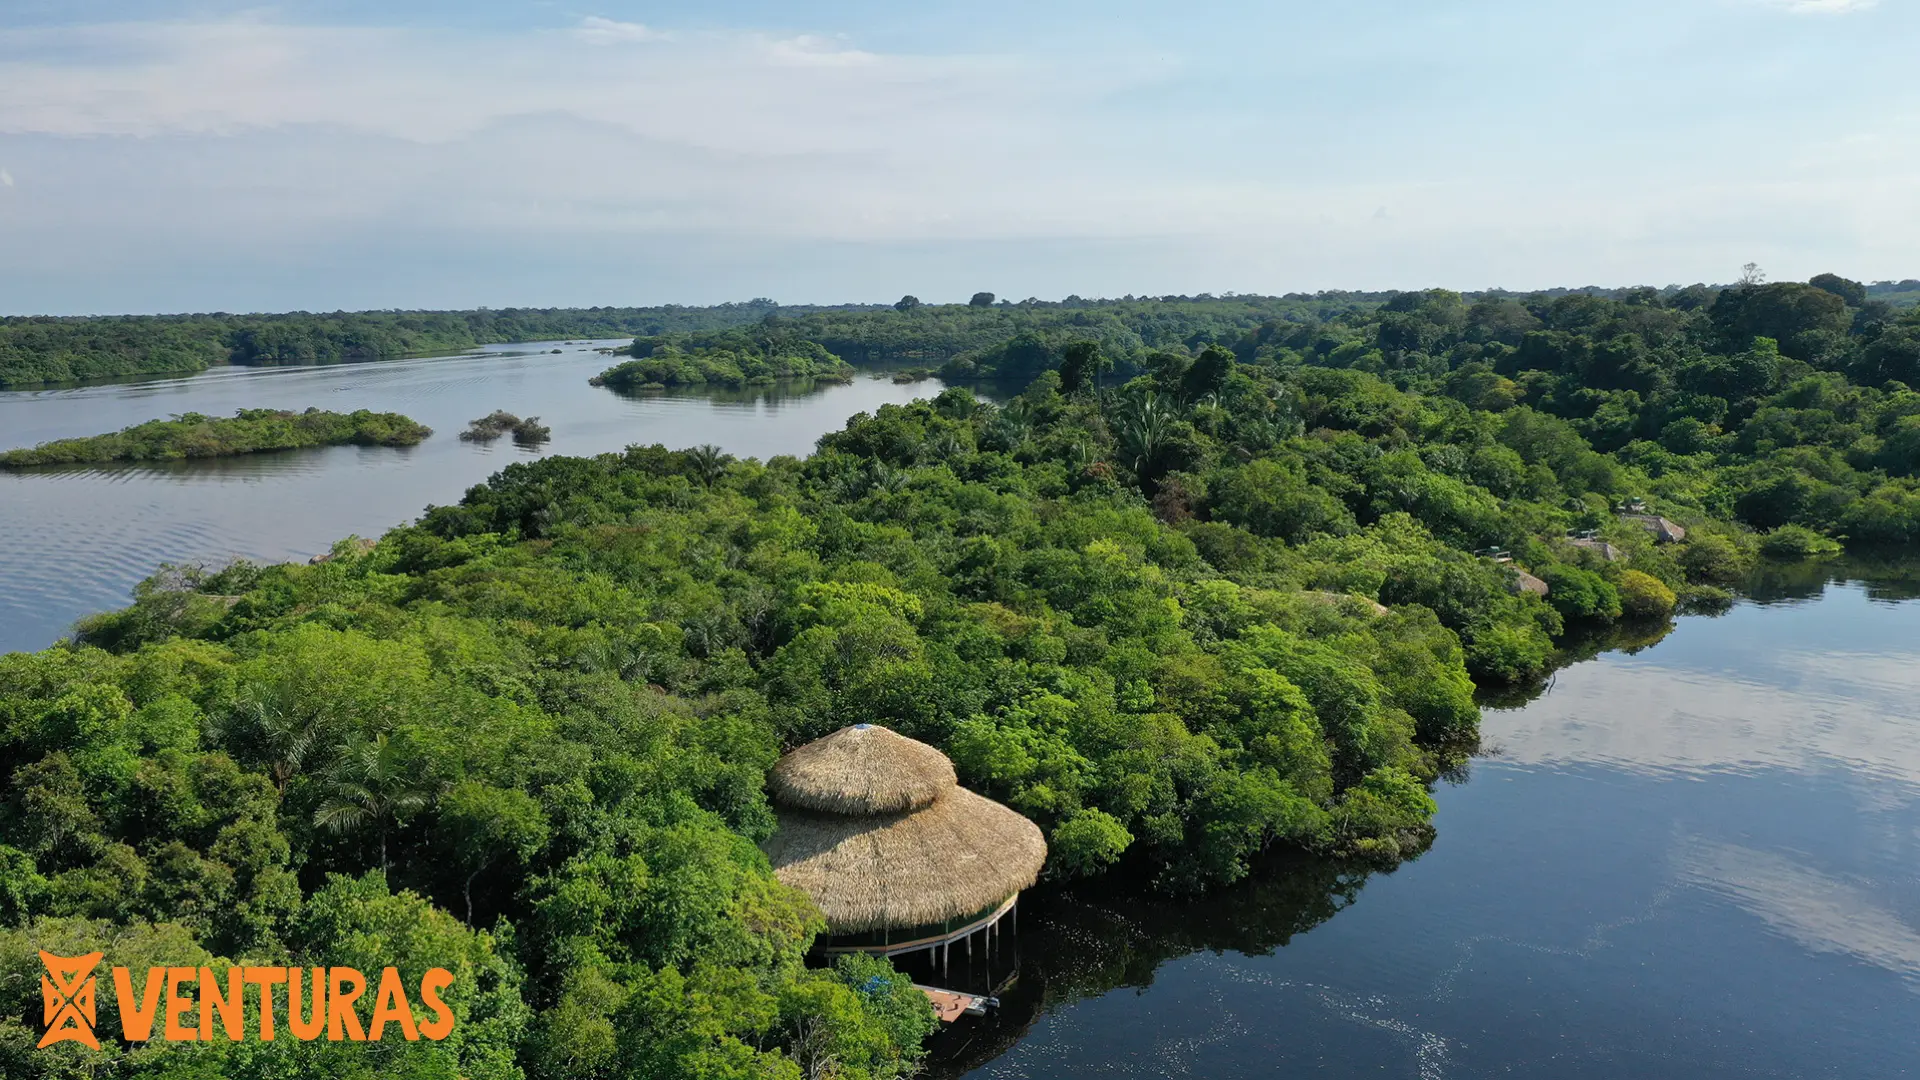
(1712, 559)
(1795, 542)
(1088, 843)
(1643, 596)
(1580, 594)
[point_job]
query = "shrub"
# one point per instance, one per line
(1795, 542)
(1643, 596)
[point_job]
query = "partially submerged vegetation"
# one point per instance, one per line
(248, 431)
(528, 431)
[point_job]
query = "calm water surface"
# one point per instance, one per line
(1695, 861)
(75, 540)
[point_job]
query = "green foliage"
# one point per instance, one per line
(1643, 596)
(1238, 601)
(1795, 542)
(192, 435)
(1087, 843)
(54, 349)
(761, 354)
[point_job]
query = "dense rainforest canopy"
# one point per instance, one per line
(1180, 600)
(248, 431)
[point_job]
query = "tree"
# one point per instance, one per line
(709, 463)
(981, 299)
(1854, 293)
(376, 783)
(1786, 311)
(906, 303)
(1079, 364)
(489, 825)
(1208, 375)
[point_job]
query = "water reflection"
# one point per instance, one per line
(1691, 857)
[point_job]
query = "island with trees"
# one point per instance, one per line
(526, 431)
(758, 355)
(1219, 581)
(248, 431)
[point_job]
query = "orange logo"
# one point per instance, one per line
(67, 989)
(190, 1004)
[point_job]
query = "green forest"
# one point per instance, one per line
(247, 431)
(53, 349)
(1219, 577)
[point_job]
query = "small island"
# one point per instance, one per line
(526, 432)
(248, 431)
(734, 358)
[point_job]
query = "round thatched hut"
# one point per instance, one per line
(876, 828)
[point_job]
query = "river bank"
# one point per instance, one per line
(1688, 860)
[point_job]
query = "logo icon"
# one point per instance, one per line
(68, 989)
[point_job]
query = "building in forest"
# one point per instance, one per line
(876, 828)
(1519, 581)
(1662, 530)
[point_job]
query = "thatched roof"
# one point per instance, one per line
(876, 829)
(956, 858)
(1599, 547)
(864, 769)
(1345, 600)
(1523, 582)
(1666, 532)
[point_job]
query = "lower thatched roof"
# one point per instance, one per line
(1345, 600)
(955, 858)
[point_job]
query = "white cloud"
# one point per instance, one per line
(596, 30)
(6, 178)
(145, 139)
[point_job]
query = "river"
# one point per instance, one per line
(1690, 860)
(1691, 856)
(75, 540)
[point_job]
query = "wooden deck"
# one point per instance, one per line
(951, 1005)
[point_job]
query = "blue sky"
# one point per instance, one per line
(159, 156)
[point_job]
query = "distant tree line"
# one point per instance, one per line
(36, 350)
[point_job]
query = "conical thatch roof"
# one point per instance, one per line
(952, 856)
(862, 769)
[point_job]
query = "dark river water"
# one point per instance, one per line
(1696, 855)
(1696, 859)
(75, 540)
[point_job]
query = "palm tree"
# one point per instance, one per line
(709, 463)
(1143, 426)
(375, 782)
(287, 734)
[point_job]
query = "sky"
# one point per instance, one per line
(207, 155)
